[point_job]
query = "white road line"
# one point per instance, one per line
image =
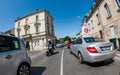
(61, 69)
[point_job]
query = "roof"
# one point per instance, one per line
(94, 7)
(6, 34)
(37, 11)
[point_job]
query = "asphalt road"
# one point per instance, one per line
(64, 63)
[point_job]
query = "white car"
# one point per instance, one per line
(89, 50)
(59, 45)
(13, 56)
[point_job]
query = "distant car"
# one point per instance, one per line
(87, 49)
(58, 45)
(13, 56)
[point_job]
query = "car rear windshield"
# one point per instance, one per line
(93, 39)
(89, 40)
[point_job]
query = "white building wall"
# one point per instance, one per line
(38, 40)
(31, 21)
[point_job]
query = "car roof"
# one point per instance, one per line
(84, 37)
(8, 35)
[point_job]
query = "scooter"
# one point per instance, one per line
(49, 51)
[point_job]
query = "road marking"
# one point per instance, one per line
(61, 69)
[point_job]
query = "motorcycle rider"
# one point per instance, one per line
(50, 44)
(50, 47)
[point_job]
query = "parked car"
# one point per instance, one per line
(58, 45)
(88, 50)
(13, 56)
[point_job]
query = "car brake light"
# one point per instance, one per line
(113, 48)
(92, 49)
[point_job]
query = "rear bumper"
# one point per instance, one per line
(92, 58)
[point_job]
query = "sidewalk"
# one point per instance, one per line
(118, 53)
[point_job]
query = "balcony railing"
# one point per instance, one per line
(18, 29)
(37, 23)
(26, 36)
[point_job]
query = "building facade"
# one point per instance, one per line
(35, 29)
(103, 21)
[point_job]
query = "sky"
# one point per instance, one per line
(67, 14)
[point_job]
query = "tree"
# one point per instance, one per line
(67, 38)
(61, 40)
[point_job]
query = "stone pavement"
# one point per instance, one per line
(118, 53)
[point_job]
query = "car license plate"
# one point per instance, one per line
(106, 48)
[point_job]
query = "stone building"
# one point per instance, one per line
(35, 29)
(11, 31)
(103, 20)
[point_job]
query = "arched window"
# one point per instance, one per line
(37, 29)
(18, 24)
(26, 21)
(107, 10)
(118, 3)
(26, 31)
(37, 18)
(47, 20)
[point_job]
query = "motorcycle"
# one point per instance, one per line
(49, 51)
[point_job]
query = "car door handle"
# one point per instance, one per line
(8, 56)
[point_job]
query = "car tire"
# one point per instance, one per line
(80, 58)
(24, 69)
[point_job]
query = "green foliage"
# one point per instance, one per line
(63, 40)
(67, 38)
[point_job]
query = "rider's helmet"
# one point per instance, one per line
(49, 39)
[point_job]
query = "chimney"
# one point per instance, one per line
(18, 17)
(37, 9)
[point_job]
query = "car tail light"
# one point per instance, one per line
(92, 49)
(113, 48)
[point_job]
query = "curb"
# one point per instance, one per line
(117, 54)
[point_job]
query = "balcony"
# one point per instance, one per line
(26, 36)
(37, 23)
(27, 26)
(18, 29)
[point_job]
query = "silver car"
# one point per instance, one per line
(13, 56)
(59, 45)
(87, 49)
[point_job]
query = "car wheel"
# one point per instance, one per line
(24, 69)
(80, 58)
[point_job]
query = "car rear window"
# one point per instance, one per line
(89, 40)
